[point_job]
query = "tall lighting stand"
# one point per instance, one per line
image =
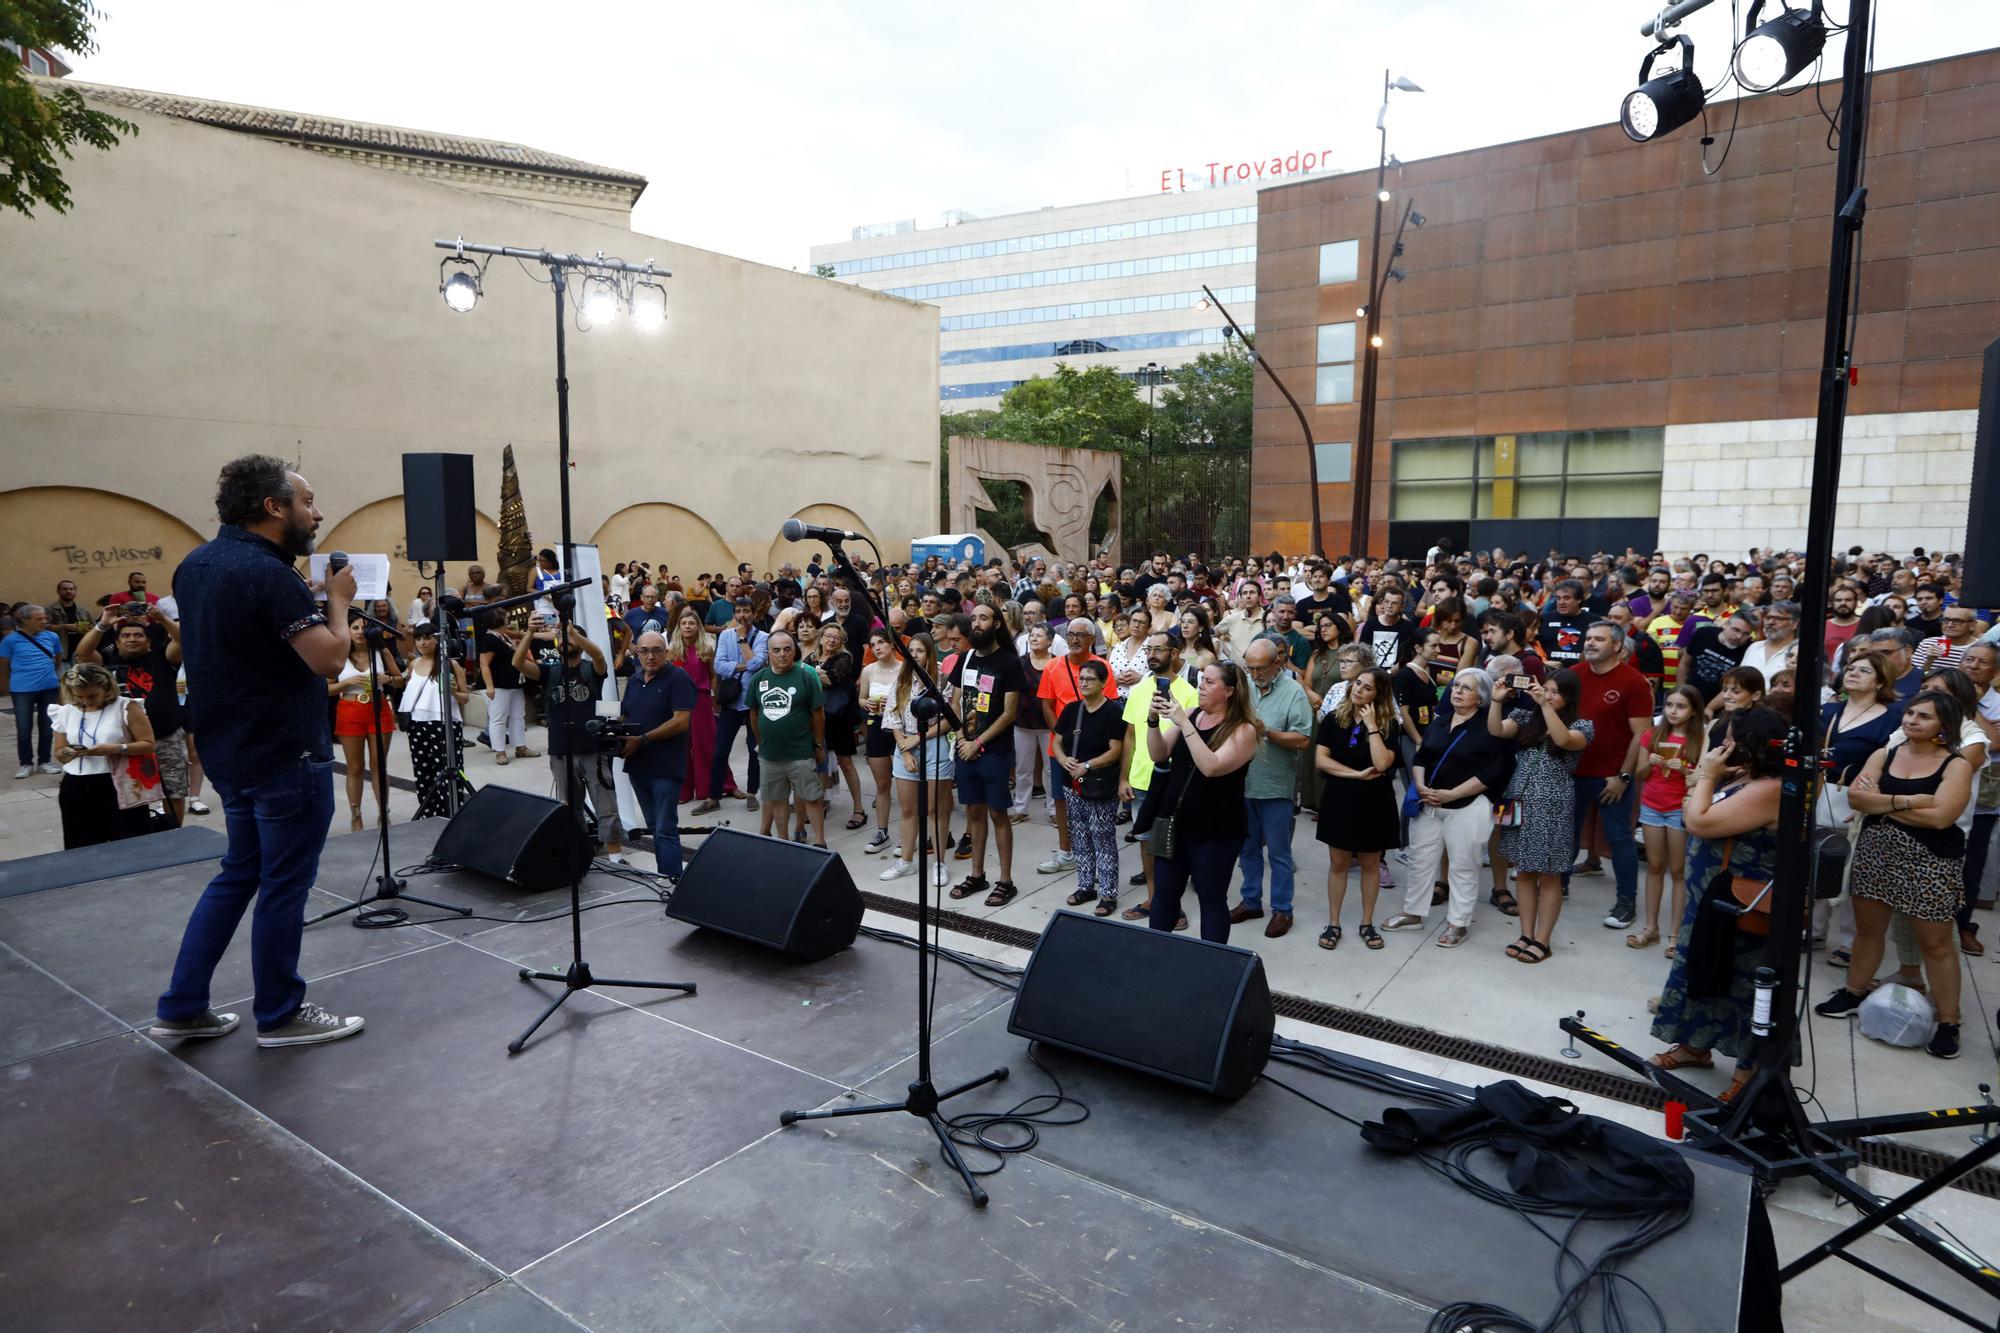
(607, 286)
(1765, 1124)
(1364, 436)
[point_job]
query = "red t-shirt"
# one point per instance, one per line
(1837, 635)
(1612, 702)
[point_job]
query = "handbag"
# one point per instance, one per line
(728, 689)
(1752, 897)
(1507, 814)
(1413, 803)
(137, 781)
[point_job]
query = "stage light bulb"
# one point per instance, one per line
(1775, 51)
(1382, 195)
(649, 307)
(461, 293)
(1660, 106)
(1361, 312)
(599, 306)
(1375, 340)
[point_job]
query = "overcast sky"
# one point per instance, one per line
(768, 127)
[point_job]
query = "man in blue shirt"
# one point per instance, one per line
(34, 650)
(259, 652)
(659, 698)
(740, 653)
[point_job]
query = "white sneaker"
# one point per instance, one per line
(1058, 861)
(898, 869)
(940, 877)
(615, 858)
(53, 770)
(1400, 856)
(25, 771)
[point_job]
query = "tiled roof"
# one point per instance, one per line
(301, 128)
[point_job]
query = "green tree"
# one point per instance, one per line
(1076, 409)
(1207, 406)
(37, 125)
(823, 271)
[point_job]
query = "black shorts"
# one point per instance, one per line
(881, 745)
(842, 737)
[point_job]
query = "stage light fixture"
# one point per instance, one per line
(1660, 106)
(1773, 52)
(600, 300)
(649, 306)
(1361, 312)
(1375, 340)
(1382, 195)
(458, 282)
(1397, 273)
(1417, 219)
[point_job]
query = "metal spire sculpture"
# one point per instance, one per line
(517, 549)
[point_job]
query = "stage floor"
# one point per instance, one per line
(627, 1170)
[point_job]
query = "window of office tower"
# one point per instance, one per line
(1553, 474)
(1336, 364)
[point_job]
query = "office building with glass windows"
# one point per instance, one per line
(1599, 344)
(1115, 283)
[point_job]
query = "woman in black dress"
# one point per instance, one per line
(1211, 752)
(1358, 819)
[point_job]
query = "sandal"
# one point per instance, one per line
(1080, 897)
(1451, 937)
(1181, 924)
(1535, 952)
(1505, 901)
(1682, 1056)
(1736, 1085)
(1330, 938)
(1139, 913)
(1514, 950)
(1439, 892)
(1370, 936)
(1003, 893)
(1106, 906)
(1839, 958)
(1672, 953)
(355, 810)
(968, 886)
(858, 821)
(1644, 939)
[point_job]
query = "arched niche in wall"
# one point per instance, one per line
(654, 531)
(378, 527)
(799, 554)
(93, 538)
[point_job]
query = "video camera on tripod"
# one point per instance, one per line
(610, 733)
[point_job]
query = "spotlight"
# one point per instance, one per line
(1383, 195)
(600, 300)
(459, 285)
(1375, 341)
(1361, 312)
(1417, 219)
(1397, 273)
(649, 312)
(1775, 51)
(1660, 106)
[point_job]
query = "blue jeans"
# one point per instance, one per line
(1270, 832)
(31, 719)
(660, 798)
(729, 723)
(277, 829)
(1617, 819)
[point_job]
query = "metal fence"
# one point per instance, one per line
(1180, 502)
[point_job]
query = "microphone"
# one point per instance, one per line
(335, 562)
(796, 530)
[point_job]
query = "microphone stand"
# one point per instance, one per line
(923, 1098)
(387, 885)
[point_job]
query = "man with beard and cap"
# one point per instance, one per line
(259, 652)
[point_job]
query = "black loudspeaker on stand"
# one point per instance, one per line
(439, 520)
(785, 895)
(1982, 534)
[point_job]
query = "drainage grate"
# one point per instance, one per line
(1884, 1154)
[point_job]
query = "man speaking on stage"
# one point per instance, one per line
(259, 651)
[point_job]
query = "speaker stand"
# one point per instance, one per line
(578, 975)
(388, 888)
(922, 1098)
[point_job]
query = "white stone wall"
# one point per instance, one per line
(1905, 481)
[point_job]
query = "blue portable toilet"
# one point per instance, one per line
(965, 547)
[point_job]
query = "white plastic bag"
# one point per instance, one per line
(1898, 1015)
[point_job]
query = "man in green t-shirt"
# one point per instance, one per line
(1141, 771)
(788, 724)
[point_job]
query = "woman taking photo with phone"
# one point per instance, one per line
(1536, 813)
(1202, 805)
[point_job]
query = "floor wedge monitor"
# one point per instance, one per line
(796, 899)
(1185, 1009)
(525, 839)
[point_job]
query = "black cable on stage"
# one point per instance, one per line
(1595, 1276)
(974, 1129)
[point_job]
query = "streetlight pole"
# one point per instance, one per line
(1305, 426)
(1364, 442)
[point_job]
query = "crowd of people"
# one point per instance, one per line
(1472, 730)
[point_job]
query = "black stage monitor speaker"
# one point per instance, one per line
(1179, 1008)
(525, 839)
(438, 519)
(1982, 532)
(791, 897)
